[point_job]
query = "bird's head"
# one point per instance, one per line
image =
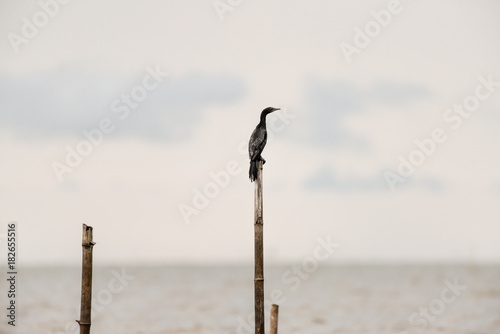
(269, 110)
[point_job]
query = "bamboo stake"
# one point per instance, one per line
(86, 301)
(274, 319)
(259, 254)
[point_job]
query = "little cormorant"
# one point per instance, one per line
(257, 142)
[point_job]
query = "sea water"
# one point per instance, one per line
(219, 299)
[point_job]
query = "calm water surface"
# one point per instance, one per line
(328, 299)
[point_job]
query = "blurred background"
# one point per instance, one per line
(133, 117)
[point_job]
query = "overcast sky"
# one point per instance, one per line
(387, 141)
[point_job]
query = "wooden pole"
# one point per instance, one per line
(259, 254)
(274, 319)
(86, 301)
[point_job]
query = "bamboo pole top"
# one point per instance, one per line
(274, 319)
(87, 236)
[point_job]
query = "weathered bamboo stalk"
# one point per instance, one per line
(259, 254)
(274, 319)
(86, 301)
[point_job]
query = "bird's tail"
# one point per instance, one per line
(253, 170)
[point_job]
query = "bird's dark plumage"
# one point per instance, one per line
(257, 142)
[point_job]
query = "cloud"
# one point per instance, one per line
(51, 103)
(331, 102)
(178, 104)
(67, 101)
(392, 93)
(325, 179)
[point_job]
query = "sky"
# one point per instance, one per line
(134, 116)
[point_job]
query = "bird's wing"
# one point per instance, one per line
(257, 142)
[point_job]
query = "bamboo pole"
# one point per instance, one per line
(259, 254)
(274, 319)
(86, 301)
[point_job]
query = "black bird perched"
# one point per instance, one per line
(257, 142)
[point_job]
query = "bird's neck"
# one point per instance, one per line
(263, 118)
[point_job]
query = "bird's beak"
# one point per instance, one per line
(276, 109)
